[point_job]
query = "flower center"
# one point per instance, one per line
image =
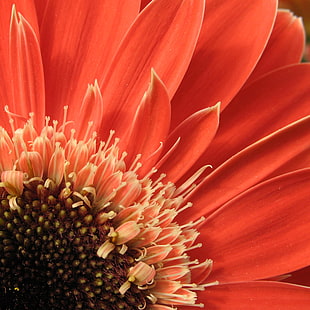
(81, 230)
(49, 255)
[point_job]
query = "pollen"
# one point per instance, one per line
(80, 230)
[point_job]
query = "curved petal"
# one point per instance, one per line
(249, 167)
(255, 296)
(195, 134)
(163, 37)
(288, 35)
(226, 53)
(27, 10)
(261, 233)
(150, 125)
(260, 109)
(78, 41)
(90, 111)
(299, 161)
(28, 92)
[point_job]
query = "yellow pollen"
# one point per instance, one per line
(131, 279)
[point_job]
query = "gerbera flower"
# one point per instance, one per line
(108, 199)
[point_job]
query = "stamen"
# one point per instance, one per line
(186, 193)
(88, 130)
(112, 132)
(156, 151)
(193, 223)
(189, 182)
(84, 195)
(148, 175)
(64, 122)
(210, 284)
(134, 163)
(12, 115)
(168, 153)
(207, 263)
(156, 182)
(188, 205)
(196, 246)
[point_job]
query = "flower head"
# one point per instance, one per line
(141, 168)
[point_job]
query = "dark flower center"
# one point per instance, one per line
(48, 259)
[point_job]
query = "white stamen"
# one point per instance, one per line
(193, 223)
(112, 132)
(134, 163)
(189, 182)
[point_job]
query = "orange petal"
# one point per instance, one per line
(163, 37)
(248, 167)
(195, 134)
(255, 296)
(89, 112)
(27, 9)
(269, 237)
(226, 53)
(266, 105)
(78, 41)
(288, 36)
(27, 70)
(150, 125)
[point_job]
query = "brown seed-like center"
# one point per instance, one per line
(48, 257)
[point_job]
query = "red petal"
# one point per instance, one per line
(288, 36)
(266, 105)
(27, 9)
(249, 167)
(195, 134)
(300, 161)
(150, 125)
(225, 55)
(255, 296)
(262, 233)
(163, 37)
(27, 70)
(90, 111)
(78, 41)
